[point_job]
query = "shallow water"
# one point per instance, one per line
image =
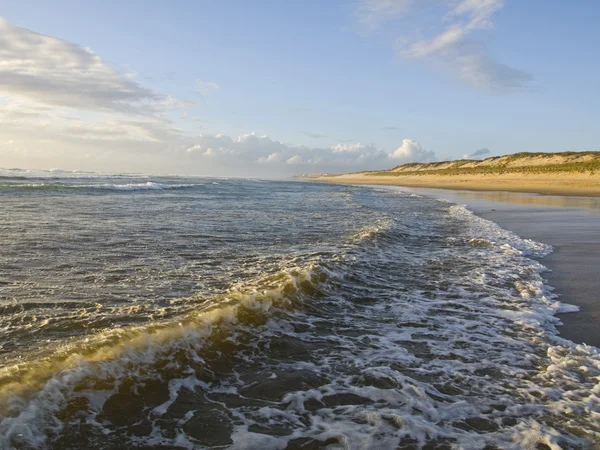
(165, 312)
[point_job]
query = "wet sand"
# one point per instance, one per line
(571, 225)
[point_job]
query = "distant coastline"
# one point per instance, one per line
(569, 173)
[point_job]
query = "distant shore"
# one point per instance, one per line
(566, 173)
(575, 184)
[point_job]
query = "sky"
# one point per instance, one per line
(273, 88)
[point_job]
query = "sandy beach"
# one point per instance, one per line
(583, 184)
(570, 225)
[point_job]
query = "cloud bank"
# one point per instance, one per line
(269, 156)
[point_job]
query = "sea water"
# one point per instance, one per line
(182, 313)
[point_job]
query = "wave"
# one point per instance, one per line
(480, 227)
(455, 346)
(33, 393)
(53, 174)
(147, 186)
(152, 186)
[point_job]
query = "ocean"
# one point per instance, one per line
(186, 313)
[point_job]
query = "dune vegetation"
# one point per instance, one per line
(518, 163)
(568, 173)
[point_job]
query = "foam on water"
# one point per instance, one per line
(109, 356)
(58, 179)
(61, 173)
(136, 186)
(428, 326)
(106, 186)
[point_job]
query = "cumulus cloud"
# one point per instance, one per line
(454, 49)
(477, 154)
(411, 151)
(348, 148)
(264, 155)
(296, 159)
(118, 144)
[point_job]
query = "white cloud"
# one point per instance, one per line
(272, 158)
(51, 71)
(453, 49)
(143, 146)
(40, 122)
(439, 46)
(411, 151)
(296, 159)
(65, 105)
(464, 58)
(205, 87)
(353, 148)
(262, 155)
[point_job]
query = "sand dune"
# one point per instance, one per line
(545, 173)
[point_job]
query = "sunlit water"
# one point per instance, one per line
(147, 312)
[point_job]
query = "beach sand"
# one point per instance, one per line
(571, 225)
(585, 184)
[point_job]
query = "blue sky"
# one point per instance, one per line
(273, 88)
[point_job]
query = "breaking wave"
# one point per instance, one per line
(137, 186)
(147, 186)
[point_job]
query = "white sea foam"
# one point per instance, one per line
(482, 228)
(58, 173)
(567, 308)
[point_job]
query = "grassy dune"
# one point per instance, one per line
(518, 163)
(568, 173)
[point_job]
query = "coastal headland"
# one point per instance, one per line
(568, 173)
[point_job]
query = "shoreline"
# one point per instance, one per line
(569, 224)
(569, 184)
(572, 231)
